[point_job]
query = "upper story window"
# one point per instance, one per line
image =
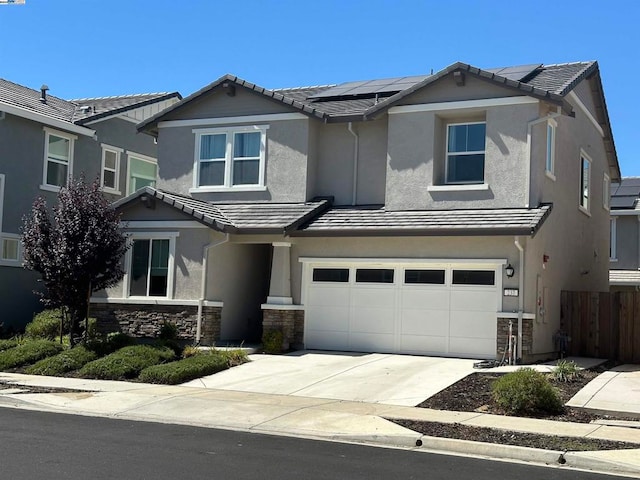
(551, 149)
(110, 174)
(58, 159)
(606, 192)
(230, 158)
(465, 152)
(585, 182)
(142, 171)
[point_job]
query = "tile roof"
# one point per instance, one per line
(72, 111)
(356, 221)
(624, 277)
(236, 217)
(625, 195)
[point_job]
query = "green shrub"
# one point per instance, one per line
(7, 344)
(64, 362)
(190, 351)
(272, 341)
(566, 371)
(28, 352)
(526, 391)
(127, 362)
(45, 325)
(195, 366)
(168, 331)
(106, 344)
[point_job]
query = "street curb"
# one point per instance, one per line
(583, 461)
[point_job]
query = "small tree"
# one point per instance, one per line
(77, 250)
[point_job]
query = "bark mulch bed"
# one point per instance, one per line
(473, 394)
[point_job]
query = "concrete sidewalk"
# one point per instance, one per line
(317, 418)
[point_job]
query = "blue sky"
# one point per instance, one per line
(88, 48)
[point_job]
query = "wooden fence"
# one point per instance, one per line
(602, 324)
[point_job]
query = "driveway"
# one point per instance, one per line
(368, 377)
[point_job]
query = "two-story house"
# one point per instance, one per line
(43, 141)
(624, 253)
(434, 214)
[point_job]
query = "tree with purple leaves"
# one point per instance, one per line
(76, 248)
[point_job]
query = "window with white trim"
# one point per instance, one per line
(58, 158)
(551, 148)
(606, 192)
(142, 171)
(465, 152)
(149, 265)
(230, 157)
(10, 250)
(110, 174)
(585, 182)
(613, 234)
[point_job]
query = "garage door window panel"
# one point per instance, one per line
(424, 277)
(474, 277)
(338, 275)
(374, 275)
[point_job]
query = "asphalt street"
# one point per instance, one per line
(36, 445)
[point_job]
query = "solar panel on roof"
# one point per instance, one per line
(630, 182)
(370, 87)
(625, 190)
(516, 73)
(623, 202)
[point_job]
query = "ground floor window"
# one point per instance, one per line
(150, 266)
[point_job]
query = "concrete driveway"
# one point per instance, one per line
(368, 377)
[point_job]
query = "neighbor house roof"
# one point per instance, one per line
(377, 221)
(624, 277)
(69, 114)
(625, 195)
(245, 218)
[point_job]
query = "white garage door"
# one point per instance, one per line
(434, 309)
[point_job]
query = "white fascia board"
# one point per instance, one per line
(142, 224)
(527, 316)
(404, 261)
(155, 301)
(575, 99)
(272, 117)
(464, 104)
(624, 213)
(44, 119)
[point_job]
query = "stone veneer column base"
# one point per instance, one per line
(145, 321)
(503, 335)
(289, 321)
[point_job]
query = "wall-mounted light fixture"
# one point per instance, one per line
(509, 270)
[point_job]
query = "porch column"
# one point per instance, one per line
(280, 283)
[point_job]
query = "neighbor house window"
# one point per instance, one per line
(9, 248)
(110, 176)
(585, 182)
(613, 234)
(551, 148)
(230, 157)
(58, 159)
(150, 266)
(142, 172)
(465, 152)
(606, 192)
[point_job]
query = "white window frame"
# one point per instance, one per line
(229, 159)
(118, 152)
(67, 136)
(10, 262)
(585, 202)
(446, 152)
(606, 192)
(126, 283)
(144, 158)
(2, 184)
(550, 149)
(613, 239)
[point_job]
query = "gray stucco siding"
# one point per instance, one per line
(17, 299)
(627, 242)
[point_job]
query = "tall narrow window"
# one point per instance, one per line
(613, 234)
(246, 158)
(143, 172)
(465, 153)
(551, 148)
(149, 268)
(585, 182)
(110, 177)
(58, 159)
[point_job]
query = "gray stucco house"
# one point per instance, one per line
(418, 215)
(624, 254)
(43, 141)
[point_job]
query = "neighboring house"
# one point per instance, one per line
(624, 253)
(418, 215)
(43, 141)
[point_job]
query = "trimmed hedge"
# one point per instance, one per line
(526, 391)
(28, 352)
(127, 362)
(45, 325)
(7, 344)
(64, 362)
(192, 367)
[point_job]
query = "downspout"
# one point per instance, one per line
(530, 126)
(355, 162)
(520, 248)
(203, 289)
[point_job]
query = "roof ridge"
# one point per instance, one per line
(111, 97)
(572, 82)
(567, 63)
(304, 88)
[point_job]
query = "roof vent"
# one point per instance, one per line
(43, 93)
